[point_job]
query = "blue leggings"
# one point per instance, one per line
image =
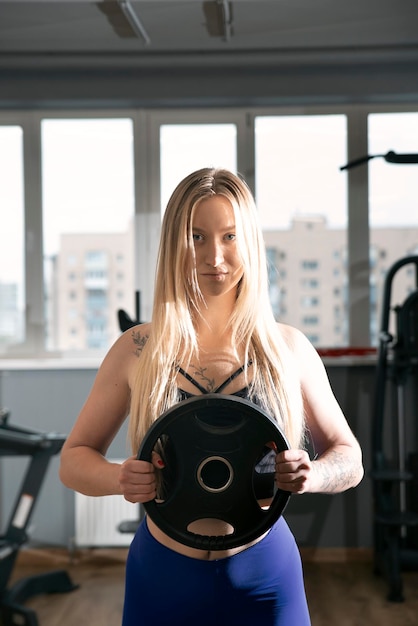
(261, 585)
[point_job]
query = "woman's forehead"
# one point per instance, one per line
(213, 208)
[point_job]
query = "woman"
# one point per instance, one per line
(212, 329)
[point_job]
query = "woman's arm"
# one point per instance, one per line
(84, 466)
(338, 465)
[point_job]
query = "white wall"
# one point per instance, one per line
(49, 400)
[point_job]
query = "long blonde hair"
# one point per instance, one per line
(177, 298)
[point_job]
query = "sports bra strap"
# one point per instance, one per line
(192, 380)
(218, 389)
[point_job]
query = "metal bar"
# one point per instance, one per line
(226, 18)
(134, 20)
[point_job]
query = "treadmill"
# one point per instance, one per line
(40, 448)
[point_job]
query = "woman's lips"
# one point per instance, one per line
(216, 276)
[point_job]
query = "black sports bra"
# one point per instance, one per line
(242, 393)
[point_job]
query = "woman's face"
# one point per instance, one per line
(218, 264)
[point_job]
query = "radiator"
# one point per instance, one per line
(97, 520)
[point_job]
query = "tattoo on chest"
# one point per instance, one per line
(199, 373)
(139, 341)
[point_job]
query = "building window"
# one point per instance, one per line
(313, 338)
(309, 264)
(310, 320)
(309, 301)
(310, 283)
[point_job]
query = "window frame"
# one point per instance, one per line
(146, 124)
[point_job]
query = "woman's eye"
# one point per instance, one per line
(197, 237)
(231, 236)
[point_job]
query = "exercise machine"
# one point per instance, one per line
(40, 447)
(125, 320)
(395, 436)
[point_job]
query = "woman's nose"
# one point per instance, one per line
(214, 254)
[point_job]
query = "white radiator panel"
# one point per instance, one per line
(97, 520)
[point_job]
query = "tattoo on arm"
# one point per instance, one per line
(337, 472)
(139, 341)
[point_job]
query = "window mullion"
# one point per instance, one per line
(358, 232)
(35, 313)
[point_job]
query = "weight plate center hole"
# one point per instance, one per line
(215, 474)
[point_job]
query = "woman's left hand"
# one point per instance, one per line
(294, 471)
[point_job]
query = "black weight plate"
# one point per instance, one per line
(214, 449)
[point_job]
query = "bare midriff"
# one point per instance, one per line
(211, 527)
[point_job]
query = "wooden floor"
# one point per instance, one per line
(341, 589)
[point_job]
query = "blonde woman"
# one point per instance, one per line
(212, 330)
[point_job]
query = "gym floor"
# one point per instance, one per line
(340, 585)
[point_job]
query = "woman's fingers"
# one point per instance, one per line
(293, 471)
(137, 480)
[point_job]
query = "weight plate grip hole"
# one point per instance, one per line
(215, 474)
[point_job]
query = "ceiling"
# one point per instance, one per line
(52, 32)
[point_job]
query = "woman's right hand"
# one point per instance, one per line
(137, 478)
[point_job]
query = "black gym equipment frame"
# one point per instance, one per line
(395, 437)
(40, 447)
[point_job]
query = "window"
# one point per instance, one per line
(393, 213)
(188, 147)
(88, 211)
(12, 272)
(309, 301)
(310, 320)
(90, 234)
(309, 283)
(309, 265)
(302, 198)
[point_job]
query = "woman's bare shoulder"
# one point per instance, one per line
(291, 335)
(129, 345)
(298, 344)
(135, 338)
(122, 358)
(303, 351)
